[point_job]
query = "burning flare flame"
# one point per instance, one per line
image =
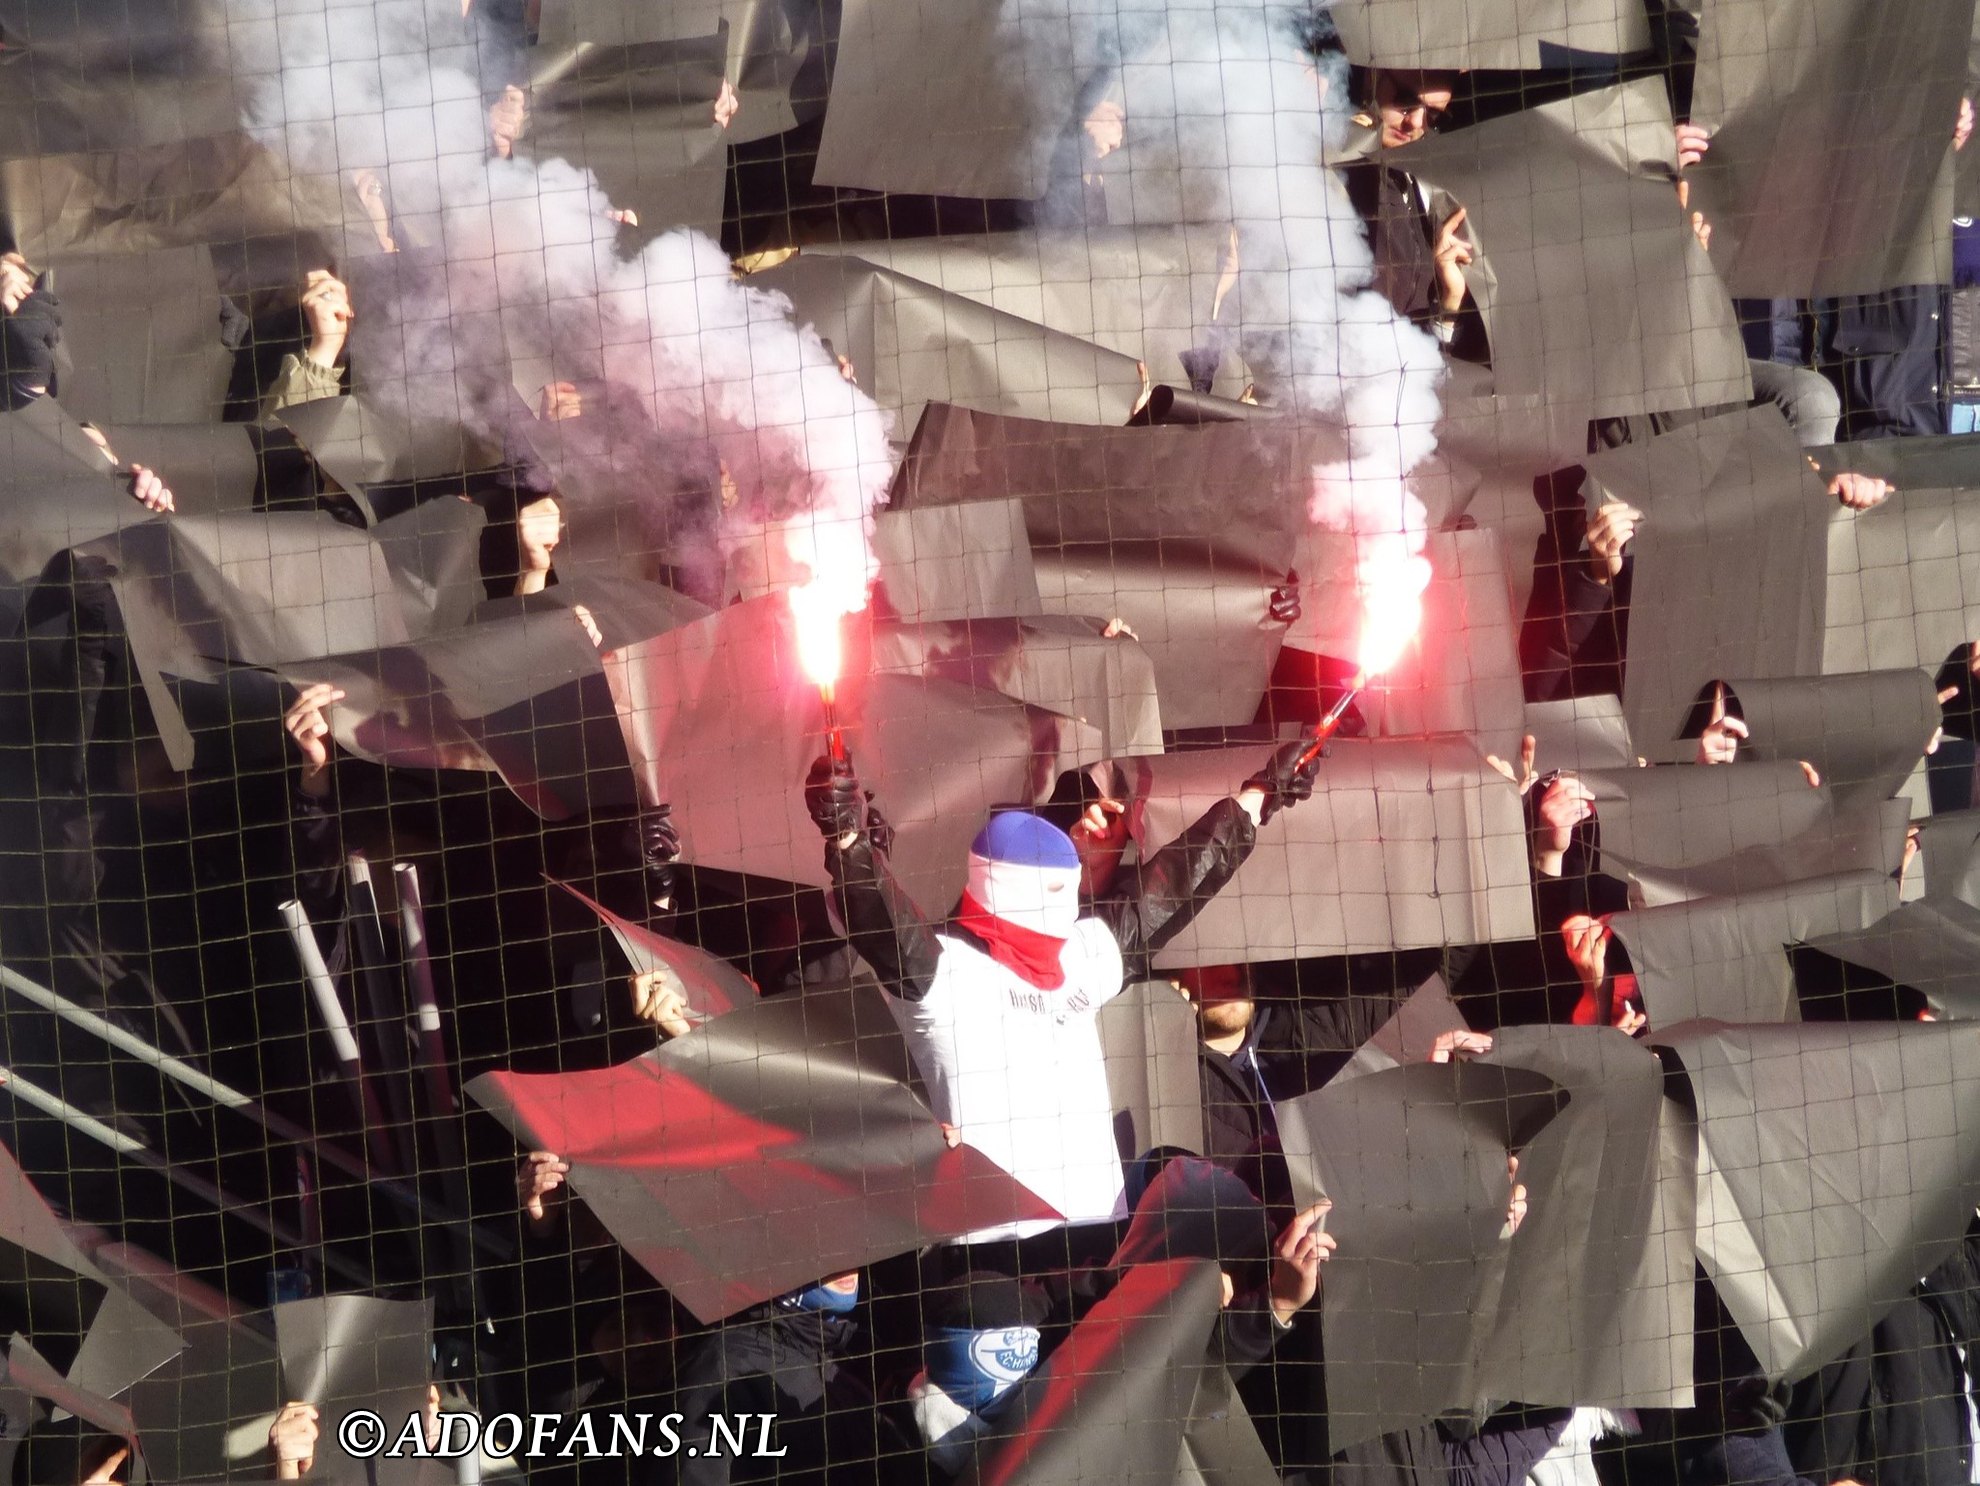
(836, 555)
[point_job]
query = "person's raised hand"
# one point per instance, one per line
(1860, 492)
(311, 729)
(292, 1438)
(508, 116)
(1610, 530)
(1587, 942)
(1700, 228)
(538, 1176)
(1719, 742)
(16, 281)
(1564, 804)
(1106, 127)
(1452, 253)
(558, 401)
(1963, 124)
(1524, 779)
(1302, 1246)
(1515, 1200)
(659, 997)
(539, 527)
(1458, 1044)
(1692, 144)
(728, 103)
(151, 492)
(326, 306)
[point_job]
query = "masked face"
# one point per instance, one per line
(1044, 900)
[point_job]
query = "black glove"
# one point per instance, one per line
(1285, 780)
(659, 849)
(841, 807)
(1283, 604)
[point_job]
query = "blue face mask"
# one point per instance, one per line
(976, 1368)
(824, 1298)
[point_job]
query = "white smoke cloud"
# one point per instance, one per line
(498, 253)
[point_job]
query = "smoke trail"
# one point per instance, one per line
(493, 249)
(1229, 121)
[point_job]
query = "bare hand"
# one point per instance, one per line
(558, 401)
(1692, 143)
(1963, 124)
(1099, 820)
(1610, 530)
(1719, 743)
(151, 492)
(1516, 1200)
(1860, 492)
(432, 1416)
(16, 281)
(727, 105)
(540, 1174)
(107, 1471)
(1587, 943)
(1564, 804)
(1459, 1043)
(292, 1437)
(951, 1136)
(539, 527)
(588, 624)
(1523, 780)
(1116, 627)
(1301, 1248)
(1452, 254)
(1700, 228)
(326, 305)
(310, 728)
(508, 116)
(1106, 126)
(660, 998)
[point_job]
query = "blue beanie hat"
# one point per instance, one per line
(1023, 840)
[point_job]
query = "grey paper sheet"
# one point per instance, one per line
(1579, 733)
(640, 117)
(124, 1343)
(1245, 486)
(1863, 731)
(1514, 34)
(766, 43)
(1903, 580)
(947, 101)
(28, 1370)
(1405, 844)
(1149, 1036)
(764, 1149)
(56, 489)
(1594, 292)
(1726, 957)
(722, 724)
(969, 561)
(1727, 560)
(345, 1353)
(1596, 1302)
(913, 343)
(1150, 293)
(1115, 1400)
(712, 986)
(143, 332)
(43, 1273)
(1830, 170)
(1837, 1163)
(1063, 665)
(1689, 831)
(1202, 616)
(1414, 1160)
(1932, 945)
(1410, 1035)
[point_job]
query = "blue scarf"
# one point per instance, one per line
(976, 1368)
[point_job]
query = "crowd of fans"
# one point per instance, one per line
(150, 894)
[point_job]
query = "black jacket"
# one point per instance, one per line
(1402, 238)
(1892, 1410)
(795, 1365)
(1155, 904)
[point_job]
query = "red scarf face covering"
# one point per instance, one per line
(1031, 956)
